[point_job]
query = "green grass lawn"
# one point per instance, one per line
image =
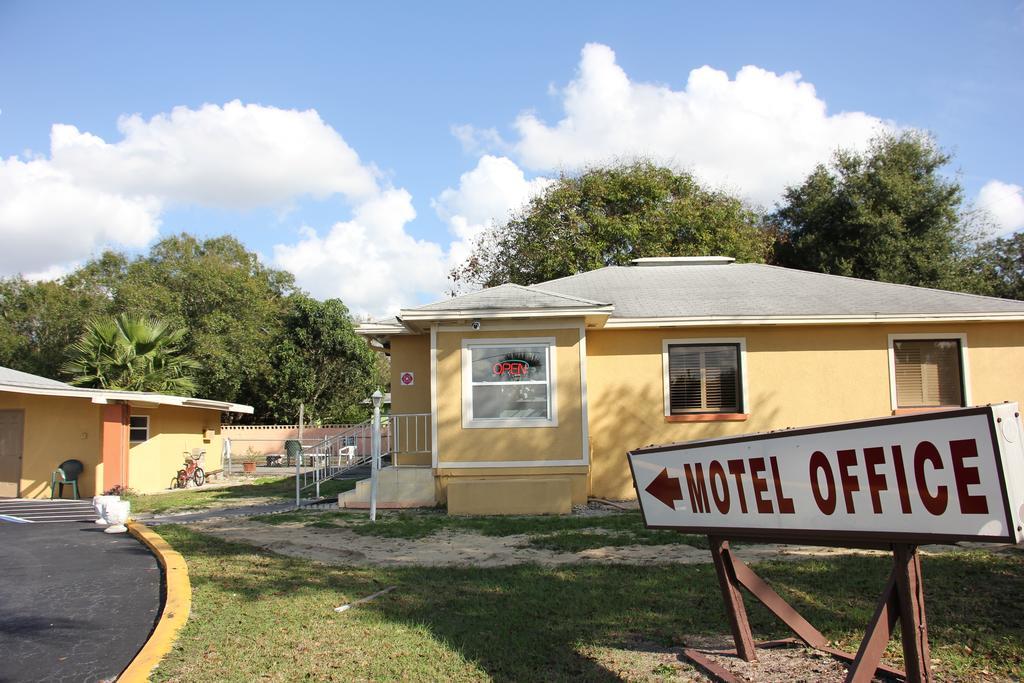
(261, 616)
(262, 489)
(561, 534)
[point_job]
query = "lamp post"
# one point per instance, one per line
(376, 398)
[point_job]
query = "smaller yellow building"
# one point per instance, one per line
(129, 439)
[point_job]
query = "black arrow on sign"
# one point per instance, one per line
(666, 489)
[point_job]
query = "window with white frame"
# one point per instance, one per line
(928, 373)
(508, 383)
(703, 377)
(138, 428)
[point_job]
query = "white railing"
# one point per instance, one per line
(406, 434)
(401, 434)
(324, 466)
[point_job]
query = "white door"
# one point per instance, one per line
(11, 425)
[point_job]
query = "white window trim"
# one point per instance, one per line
(434, 459)
(469, 422)
(699, 341)
(911, 336)
(130, 428)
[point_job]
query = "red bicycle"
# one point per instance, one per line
(192, 472)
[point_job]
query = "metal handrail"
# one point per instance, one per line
(401, 434)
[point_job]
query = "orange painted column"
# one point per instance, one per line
(114, 446)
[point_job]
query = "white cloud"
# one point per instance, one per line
(478, 140)
(485, 196)
(376, 267)
(48, 219)
(1005, 203)
(755, 133)
(90, 194)
(235, 156)
(370, 262)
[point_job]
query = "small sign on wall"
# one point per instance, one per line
(407, 379)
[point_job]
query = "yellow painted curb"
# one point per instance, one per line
(177, 604)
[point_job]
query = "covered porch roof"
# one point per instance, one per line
(17, 382)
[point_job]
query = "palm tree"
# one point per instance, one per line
(131, 353)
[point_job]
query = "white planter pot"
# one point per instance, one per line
(98, 502)
(116, 513)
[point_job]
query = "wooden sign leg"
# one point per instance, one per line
(877, 636)
(735, 610)
(910, 589)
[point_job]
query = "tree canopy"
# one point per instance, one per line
(887, 214)
(319, 360)
(131, 353)
(609, 216)
(1000, 266)
(247, 326)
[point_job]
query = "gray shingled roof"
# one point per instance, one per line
(24, 379)
(509, 296)
(749, 289)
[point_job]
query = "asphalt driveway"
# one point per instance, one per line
(76, 604)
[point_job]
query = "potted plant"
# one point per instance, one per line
(249, 460)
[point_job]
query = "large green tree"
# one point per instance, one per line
(252, 332)
(232, 305)
(891, 213)
(320, 361)
(1000, 267)
(609, 216)
(131, 353)
(38, 320)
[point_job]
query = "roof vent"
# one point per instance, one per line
(684, 261)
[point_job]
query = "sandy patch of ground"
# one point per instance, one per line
(455, 548)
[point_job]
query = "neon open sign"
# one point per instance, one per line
(511, 368)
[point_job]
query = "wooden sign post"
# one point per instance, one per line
(891, 483)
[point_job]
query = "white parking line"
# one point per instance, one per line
(16, 520)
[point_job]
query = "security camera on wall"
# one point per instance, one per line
(476, 324)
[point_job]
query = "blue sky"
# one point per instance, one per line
(393, 82)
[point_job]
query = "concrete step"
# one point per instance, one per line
(397, 487)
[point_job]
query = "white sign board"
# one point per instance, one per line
(929, 477)
(407, 379)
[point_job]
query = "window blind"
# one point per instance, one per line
(927, 373)
(704, 379)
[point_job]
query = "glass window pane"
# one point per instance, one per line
(138, 428)
(704, 379)
(496, 402)
(927, 373)
(509, 363)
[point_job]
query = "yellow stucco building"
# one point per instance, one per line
(535, 394)
(128, 439)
